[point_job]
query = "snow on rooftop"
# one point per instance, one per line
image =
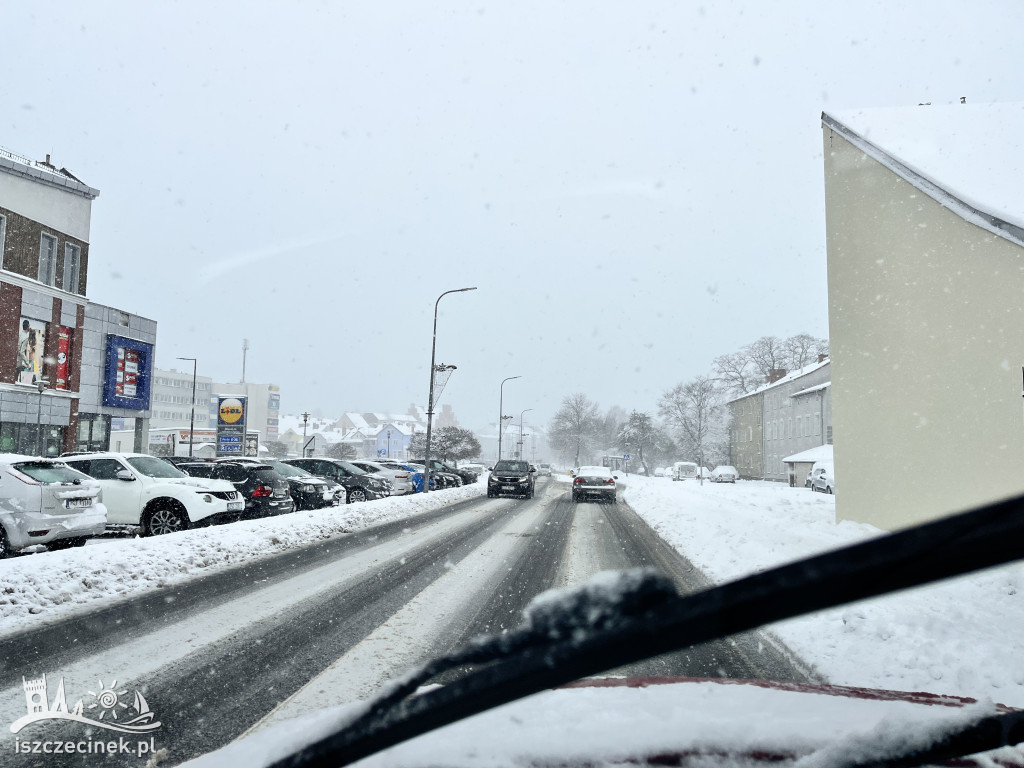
(973, 152)
(818, 453)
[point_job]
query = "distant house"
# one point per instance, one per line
(789, 414)
(925, 237)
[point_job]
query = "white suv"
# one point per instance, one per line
(142, 490)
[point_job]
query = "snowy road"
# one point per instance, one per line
(328, 624)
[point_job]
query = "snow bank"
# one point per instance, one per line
(964, 636)
(35, 589)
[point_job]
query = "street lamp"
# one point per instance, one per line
(521, 431)
(501, 410)
(192, 421)
(389, 443)
(41, 386)
(430, 396)
(305, 419)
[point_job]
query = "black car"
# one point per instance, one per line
(360, 485)
(465, 476)
(266, 492)
(511, 477)
(307, 490)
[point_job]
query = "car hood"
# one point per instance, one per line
(665, 721)
(508, 473)
(203, 483)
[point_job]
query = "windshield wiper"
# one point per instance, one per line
(589, 631)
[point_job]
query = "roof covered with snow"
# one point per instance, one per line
(969, 157)
(44, 172)
(820, 453)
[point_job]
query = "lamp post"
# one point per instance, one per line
(192, 421)
(501, 410)
(41, 386)
(521, 431)
(430, 396)
(305, 419)
(389, 443)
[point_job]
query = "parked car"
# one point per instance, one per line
(400, 477)
(417, 477)
(449, 476)
(306, 489)
(510, 477)
(593, 483)
(724, 474)
(359, 485)
(144, 491)
(823, 477)
(43, 501)
(685, 470)
(265, 491)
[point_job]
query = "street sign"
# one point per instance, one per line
(626, 456)
(381, 452)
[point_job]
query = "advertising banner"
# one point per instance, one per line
(31, 346)
(231, 413)
(127, 373)
(63, 358)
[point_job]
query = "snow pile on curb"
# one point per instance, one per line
(964, 636)
(35, 589)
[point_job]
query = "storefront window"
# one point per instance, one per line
(93, 432)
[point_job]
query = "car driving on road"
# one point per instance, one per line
(593, 483)
(511, 477)
(43, 501)
(144, 491)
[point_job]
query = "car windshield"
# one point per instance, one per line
(511, 466)
(628, 282)
(50, 472)
(153, 467)
(287, 470)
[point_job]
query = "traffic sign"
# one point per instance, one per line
(626, 456)
(381, 452)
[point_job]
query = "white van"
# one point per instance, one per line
(685, 470)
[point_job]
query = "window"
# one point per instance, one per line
(47, 259)
(72, 264)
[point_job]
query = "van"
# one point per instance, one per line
(684, 470)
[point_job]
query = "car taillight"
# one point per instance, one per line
(262, 490)
(610, 481)
(579, 480)
(401, 477)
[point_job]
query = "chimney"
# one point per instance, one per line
(775, 374)
(822, 357)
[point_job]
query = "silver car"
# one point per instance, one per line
(43, 501)
(399, 477)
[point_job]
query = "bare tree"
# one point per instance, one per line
(803, 349)
(454, 443)
(737, 373)
(694, 410)
(647, 439)
(767, 354)
(575, 426)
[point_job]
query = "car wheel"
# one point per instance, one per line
(828, 489)
(5, 547)
(164, 518)
(356, 495)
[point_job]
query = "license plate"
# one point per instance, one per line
(328, 495)
(234, 506)
(508, 487)
(77, 503)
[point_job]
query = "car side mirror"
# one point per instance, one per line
(124, 474)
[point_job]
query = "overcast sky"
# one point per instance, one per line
(634, 188)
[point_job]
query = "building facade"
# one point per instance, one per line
(61, 380)
(782, 418)
(925, 242)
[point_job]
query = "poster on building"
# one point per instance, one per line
(31, 346)
(127, 372)
(252, 444)
(63, 358)
(231, 413)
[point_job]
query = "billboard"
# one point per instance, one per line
(231, 415)
(127, 373)
(31, 346)
(63, 358)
